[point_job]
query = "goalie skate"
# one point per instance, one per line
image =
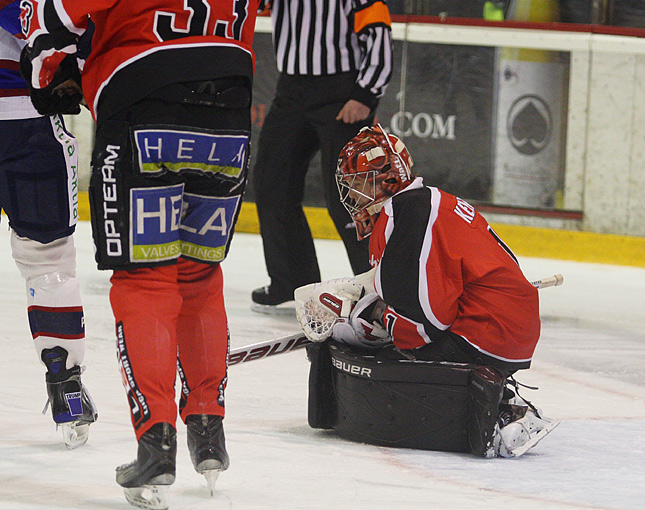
(518, 437)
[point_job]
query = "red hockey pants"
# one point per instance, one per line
(171, 318)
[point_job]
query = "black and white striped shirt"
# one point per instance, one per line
(326, 37)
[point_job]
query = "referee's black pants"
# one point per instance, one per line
(301, 121)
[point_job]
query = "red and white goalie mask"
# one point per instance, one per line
(373, 166)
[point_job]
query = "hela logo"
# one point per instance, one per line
(166, 150)
(207, 225)
(155, 217)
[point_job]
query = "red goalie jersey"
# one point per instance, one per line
(442, 267)
(136, 43)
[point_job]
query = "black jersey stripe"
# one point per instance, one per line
(399, 266)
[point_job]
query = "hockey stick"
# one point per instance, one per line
(267, 348)
(551, 281)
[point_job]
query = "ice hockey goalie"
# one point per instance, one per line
(420, 351)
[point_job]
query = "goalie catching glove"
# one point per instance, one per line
(363, 328)
(340, 309)
(320, 305)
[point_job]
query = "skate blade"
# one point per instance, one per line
(151, 497)
(75, 434)
(521, 450)
(211, 476)
(287, 308)
(211, 469)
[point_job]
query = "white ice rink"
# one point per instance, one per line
(589, 366)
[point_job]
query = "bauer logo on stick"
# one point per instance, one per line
(268, 348)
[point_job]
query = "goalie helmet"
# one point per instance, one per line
(372, 167)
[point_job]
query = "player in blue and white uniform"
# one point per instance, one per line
(39, 194)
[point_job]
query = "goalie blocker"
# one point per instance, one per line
(387, 399)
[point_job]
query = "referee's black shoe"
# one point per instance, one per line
(268, 299)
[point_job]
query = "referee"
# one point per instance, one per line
(335, 61)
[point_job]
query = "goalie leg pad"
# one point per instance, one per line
(322, 403)
(486, 388)
(387, 399)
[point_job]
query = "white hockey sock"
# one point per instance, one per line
(53, 297)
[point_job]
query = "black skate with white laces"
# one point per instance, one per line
(145, 480)
(207, 446)
(72, 406)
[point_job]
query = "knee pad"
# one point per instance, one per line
(388, 400)
(35, 259)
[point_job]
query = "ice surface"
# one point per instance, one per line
(589, 366)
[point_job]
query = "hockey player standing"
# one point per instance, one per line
(444, 286)
(39, 193)
(169, 84)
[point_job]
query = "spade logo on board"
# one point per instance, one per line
(529, 125)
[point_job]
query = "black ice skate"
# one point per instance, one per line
(271, 300)
(146, 480)
(207, 446)
(72, 406)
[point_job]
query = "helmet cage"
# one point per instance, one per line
(357, 191)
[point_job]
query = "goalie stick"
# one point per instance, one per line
(267, 348)
(551, 281)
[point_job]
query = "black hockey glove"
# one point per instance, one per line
(63, 95)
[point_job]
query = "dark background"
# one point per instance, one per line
(441, 82)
